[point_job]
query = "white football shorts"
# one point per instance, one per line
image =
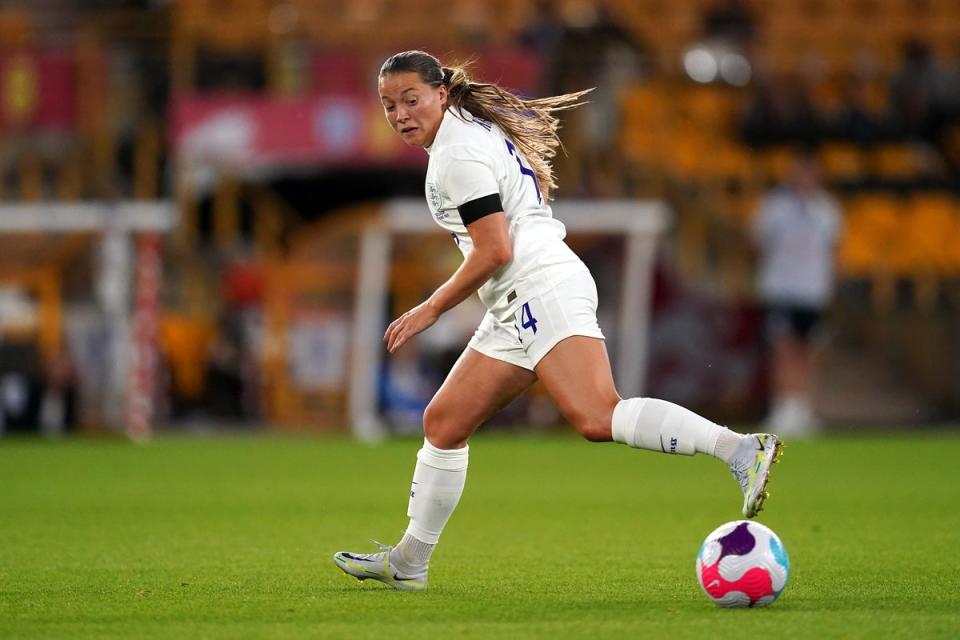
(567, 309)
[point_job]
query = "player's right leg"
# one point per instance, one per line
(576, 373)
(477, 387)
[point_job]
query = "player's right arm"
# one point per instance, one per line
(468, 180)
(491, 251)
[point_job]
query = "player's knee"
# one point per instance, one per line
(593, 428)
(593, 420)
(439, 430)
(433, 424)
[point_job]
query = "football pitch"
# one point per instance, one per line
(231, 537)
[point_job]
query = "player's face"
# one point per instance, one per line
(413, 108)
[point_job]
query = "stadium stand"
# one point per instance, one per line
(871, 85)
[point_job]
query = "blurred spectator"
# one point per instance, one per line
(232, 367)
(544, 33)
(21, 387)
(595, 51)
(731, 21)
(595, 44)
(544, 36)
(779, 112)
(58, 404)
(920, 92)
(796, 231)
(225, 364)
(243, 70)
(579, 45)
(855, 120)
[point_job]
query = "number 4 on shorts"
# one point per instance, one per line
(527, 321)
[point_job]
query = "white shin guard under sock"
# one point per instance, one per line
(438, 481)
(658, 425)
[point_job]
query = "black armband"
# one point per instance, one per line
(476, 209)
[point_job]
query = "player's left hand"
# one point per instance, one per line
(409, 324)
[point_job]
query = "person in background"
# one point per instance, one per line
(730, 20)
(796, 231)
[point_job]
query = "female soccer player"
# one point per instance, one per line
(488, 183)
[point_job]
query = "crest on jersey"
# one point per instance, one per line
(433, 198)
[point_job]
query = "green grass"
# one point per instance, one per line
(554, 538)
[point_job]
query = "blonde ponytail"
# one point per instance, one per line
(529, 123)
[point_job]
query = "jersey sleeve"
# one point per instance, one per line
(468, 180)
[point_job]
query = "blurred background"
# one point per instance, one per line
(200, 226)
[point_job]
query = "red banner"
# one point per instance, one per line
(37, 90)
(253, 131)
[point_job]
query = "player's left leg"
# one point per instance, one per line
(576, 373)
(478, 386)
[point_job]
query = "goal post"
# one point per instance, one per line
(640, 223)
(125, 237)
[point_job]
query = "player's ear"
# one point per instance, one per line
(442, 93)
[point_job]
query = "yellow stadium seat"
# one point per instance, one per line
(184, 342)
(907, 161)
(871, 229)
(933, 234)
(895, 161)
(712, 107)
(728, 160)
(227, 25)
(841, 161)
(640, 145)
(775, 163)
(686, 153)
(644, 117)
(16, 28)
(645, 105)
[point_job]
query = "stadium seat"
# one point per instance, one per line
(710, 107)
(184, 339)
(644, 111)
(841, 162)
(224, 25)
(645, 105)
(932, 234)
(895, 161)
(730, 161)
(16, 28)
(775, 162)
(871, 229)
(687, 155)
(740, 205)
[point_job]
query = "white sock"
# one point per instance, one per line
(658, 425)
(727, 443)
(411, 554)
(438, 481)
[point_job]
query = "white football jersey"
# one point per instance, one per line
(475, 170)
(797, 238)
